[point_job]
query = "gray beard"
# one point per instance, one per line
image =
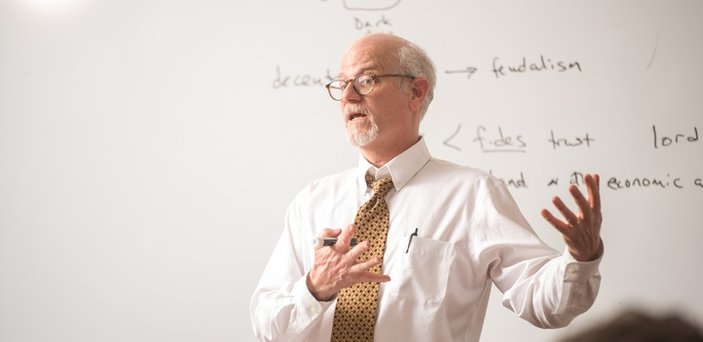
(359, 139)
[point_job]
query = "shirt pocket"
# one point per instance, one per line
(423, 271)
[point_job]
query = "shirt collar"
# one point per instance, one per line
(401, 169)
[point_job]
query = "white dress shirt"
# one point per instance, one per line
(470, 234)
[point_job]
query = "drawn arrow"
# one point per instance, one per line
(469, 71)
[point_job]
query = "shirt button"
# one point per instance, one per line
(571, 273)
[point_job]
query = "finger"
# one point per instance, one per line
(364, 273)
(358, 250)
(373, 277)
(364, 266)
(561, 226)
(345, 237)
(596, 178)
(566, 212)
(593, 186)
(581, 202)
(347, 233)
(329, 232)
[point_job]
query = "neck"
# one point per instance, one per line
(379, 154)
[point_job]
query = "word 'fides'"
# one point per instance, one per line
(498, 139)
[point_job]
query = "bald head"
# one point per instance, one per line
(395, 55)
(382, 47)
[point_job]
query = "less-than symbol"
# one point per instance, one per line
(447, 141)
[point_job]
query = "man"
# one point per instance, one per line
(451, 230)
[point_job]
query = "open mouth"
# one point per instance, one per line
(355, 112)
(354, 116)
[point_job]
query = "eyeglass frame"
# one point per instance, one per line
(351, 80)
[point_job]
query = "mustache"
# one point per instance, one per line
(353, 108)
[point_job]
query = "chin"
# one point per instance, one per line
(361, 138)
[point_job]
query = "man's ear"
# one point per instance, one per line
(418, 92)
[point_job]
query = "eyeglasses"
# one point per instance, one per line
(363, 84)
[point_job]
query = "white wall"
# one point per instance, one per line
(148, 149)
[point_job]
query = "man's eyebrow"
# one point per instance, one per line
(370, 68)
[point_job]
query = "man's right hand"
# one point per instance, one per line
(338, 266)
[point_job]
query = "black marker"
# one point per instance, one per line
(319, 242)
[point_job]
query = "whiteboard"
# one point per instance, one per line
(149, 149)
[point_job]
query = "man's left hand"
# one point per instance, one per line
(581, 232)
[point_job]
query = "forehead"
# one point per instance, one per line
(364, 58)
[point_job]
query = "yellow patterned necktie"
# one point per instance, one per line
(355, 313)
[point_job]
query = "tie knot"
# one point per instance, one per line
(380, 186)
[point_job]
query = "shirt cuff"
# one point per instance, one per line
(580, 271)
(305, 300)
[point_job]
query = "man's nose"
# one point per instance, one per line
(349, 94)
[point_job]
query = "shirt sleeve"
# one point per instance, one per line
(282, 308)
(545, 287)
